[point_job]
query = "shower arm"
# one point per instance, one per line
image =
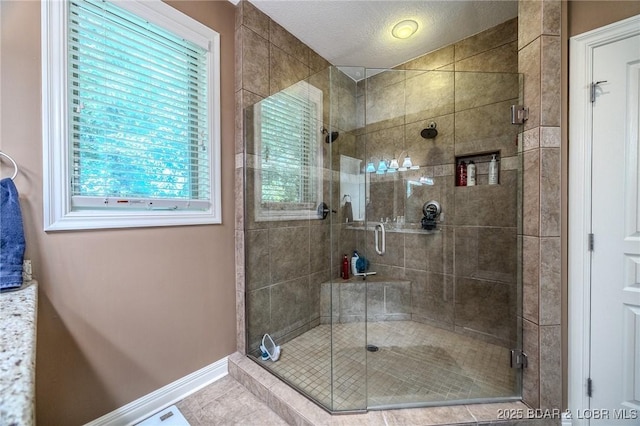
(381, 245)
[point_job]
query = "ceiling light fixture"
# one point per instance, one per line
(405, 29)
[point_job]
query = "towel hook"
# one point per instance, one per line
(15, 166)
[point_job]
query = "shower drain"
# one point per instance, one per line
(372, 348)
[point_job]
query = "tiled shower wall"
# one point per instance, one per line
(464, 277)
(285, 261)
(539, 60)
(269, 59)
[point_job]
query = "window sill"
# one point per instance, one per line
(86, 220)
(279, 216)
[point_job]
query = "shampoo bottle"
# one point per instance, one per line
(345, 268)
(461, 174)
(354, 260)
(471, 174)
(493, 171)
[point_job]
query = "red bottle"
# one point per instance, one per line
(345, 268)
(461, 174)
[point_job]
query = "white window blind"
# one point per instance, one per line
(288, 150)
(138, 112)
(289, 175)
(130, 116)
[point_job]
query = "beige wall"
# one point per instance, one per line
(122, 312)
(588, 15)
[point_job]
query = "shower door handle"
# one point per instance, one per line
(381, 244)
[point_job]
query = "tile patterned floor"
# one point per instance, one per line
(415, 363)
(227, 402)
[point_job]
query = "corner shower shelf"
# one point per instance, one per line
(482, 160)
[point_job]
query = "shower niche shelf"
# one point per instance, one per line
(482, 161)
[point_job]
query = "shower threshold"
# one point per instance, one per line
(295, 408)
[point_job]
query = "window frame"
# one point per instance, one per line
(57, 195)
(289, 211)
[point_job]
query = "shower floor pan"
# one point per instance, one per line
(415, 364)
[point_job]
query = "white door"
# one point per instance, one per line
(615, 224)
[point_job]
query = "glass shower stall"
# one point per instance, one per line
(383, 234)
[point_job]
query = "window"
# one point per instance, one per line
(288, 181)
(131, 116)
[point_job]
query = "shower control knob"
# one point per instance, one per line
(324, 210)
(431, 209)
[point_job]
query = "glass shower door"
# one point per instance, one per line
(348, 296)
(288, 226)
(430, 316)
(443, 310)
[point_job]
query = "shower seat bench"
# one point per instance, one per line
(379, 298)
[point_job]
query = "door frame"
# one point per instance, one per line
(581, 49)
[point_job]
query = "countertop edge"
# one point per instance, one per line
(18, 325)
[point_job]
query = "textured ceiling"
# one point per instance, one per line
(358, 32)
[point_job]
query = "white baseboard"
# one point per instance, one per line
(141, 408)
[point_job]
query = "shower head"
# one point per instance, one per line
(430, 132)
(330, 137)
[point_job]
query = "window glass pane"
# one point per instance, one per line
(138, 107)
(288, 149)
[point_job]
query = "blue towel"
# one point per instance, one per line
(12, 242)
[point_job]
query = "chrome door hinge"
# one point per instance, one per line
(589, 387)
(518, 359)
(519, 114)
(594, 87)
(591, 242)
